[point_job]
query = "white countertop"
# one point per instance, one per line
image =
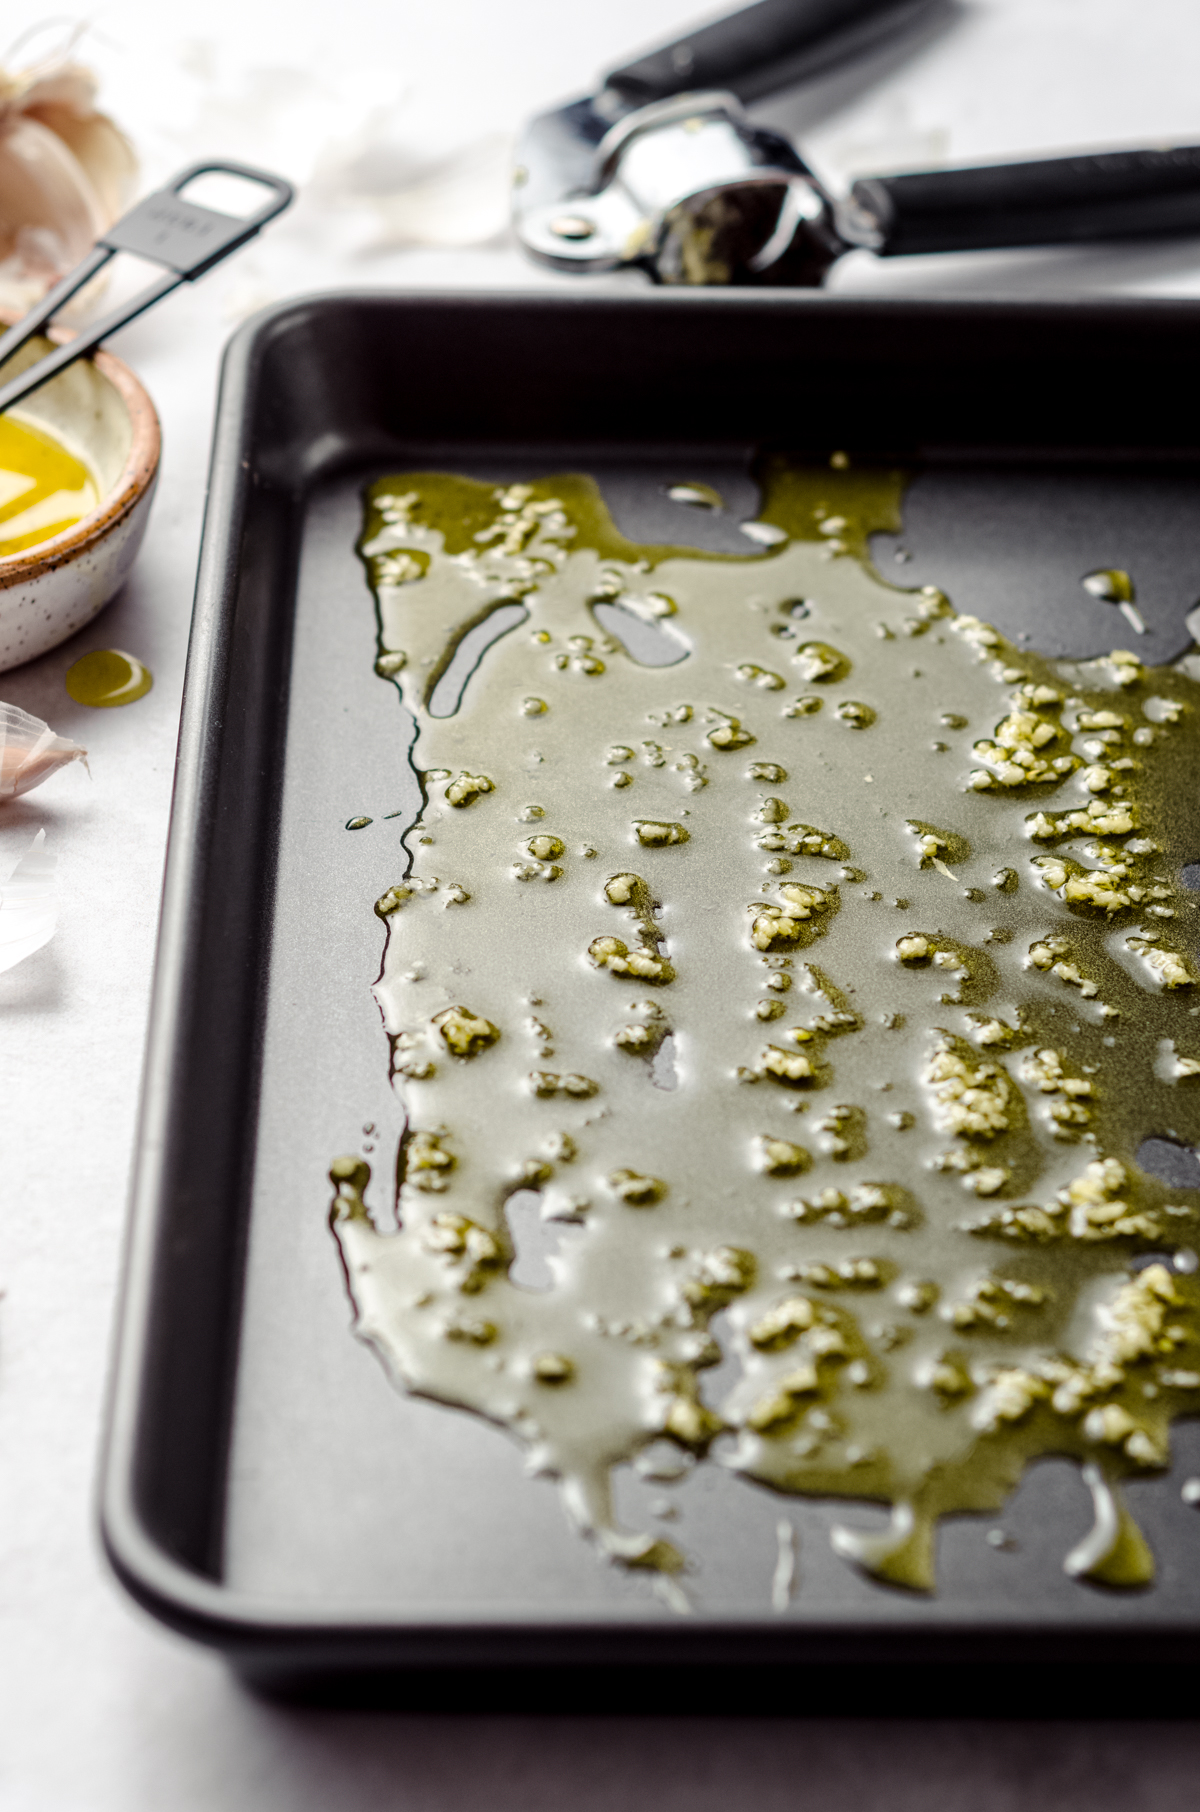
(100, 1710)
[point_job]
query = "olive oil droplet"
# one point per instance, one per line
(106, 678)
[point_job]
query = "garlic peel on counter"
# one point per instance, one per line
(66, 173)
(30, 751)
(28, 905)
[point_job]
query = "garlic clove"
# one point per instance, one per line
(43, 187)
(103, 152)
(28, 905)
(30, 751)
(53, 83)
(65, 102)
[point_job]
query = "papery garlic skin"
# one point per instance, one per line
(30, 751)
(63, 99)
(66, 173)
(28, 905)
(44, 192)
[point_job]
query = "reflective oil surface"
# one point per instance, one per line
(44, 489)
(106, 678)
(819, 973)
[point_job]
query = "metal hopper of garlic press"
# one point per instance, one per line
(662, 168)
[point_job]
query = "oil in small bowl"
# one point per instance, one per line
(44, 488)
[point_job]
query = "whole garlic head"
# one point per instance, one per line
(66, 173)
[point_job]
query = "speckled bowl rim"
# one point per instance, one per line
(135, 478)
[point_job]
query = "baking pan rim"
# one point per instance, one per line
(244, 1625)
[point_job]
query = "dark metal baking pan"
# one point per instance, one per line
(264, 1489)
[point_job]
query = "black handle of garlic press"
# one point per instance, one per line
(763, 47)
(1053, 201)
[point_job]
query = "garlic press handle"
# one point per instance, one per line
(761, 48)
(1048, 201)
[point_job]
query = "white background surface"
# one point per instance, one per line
(100, 1711)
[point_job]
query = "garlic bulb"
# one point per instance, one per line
(28, 905)
(30, 751)
(66, 172)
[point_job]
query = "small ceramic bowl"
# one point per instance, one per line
(100, 411)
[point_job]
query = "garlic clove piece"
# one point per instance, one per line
(65, 102)
(28, 905)
(103, 152)
(30, 751)
(43, 188)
